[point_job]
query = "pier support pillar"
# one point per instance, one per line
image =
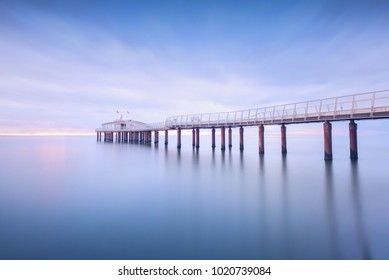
(241, 145)
(197, 138)
(327, 126)
(223, 138)
(261, 139)
(166, 136)
(283, 139)
(178, 138)
(193, 137)
(229, 137)
(353, 140)
(213, 138)
(156, 137)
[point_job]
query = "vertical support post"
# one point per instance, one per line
(327, 126)
(213, 138)
(223, 138)
(283, 139)
(166, 136)
(197, 138)
(241, 145)
(261, 139)
(229, 137)
(353, 140)
(97, 134)
(193, 137)
(156, 137)
(178, 138)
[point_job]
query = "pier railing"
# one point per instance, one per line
(357, 106)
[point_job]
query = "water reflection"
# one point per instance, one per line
(286, 208)
(357, 203)
(331, 211)
(263, 235)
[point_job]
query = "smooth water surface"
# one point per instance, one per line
(75, 198)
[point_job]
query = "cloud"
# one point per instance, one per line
(71, 70)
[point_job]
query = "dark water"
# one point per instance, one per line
(73, 198)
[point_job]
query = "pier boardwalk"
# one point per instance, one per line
(370, 105)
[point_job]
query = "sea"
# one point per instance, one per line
(74, 198)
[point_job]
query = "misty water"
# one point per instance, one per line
(75, 198)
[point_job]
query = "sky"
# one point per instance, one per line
(68, 66)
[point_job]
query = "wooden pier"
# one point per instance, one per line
(351, 108)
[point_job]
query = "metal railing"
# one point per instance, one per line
(358, 106)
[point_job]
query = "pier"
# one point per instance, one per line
(351, 108)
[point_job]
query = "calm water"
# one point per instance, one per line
(74, 198)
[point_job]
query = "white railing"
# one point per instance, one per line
(357, 106)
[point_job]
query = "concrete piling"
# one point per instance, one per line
(353, 140)
(229, 137)
(213, 138)
(178, 138)
(197, 138)
(193, 137)
(241, 145)
(283, 139)
(223, 138)
(261, 139)
(327, 127)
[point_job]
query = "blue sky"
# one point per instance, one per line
(67, 66)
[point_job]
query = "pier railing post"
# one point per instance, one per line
(353, 140)
(327, 126)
